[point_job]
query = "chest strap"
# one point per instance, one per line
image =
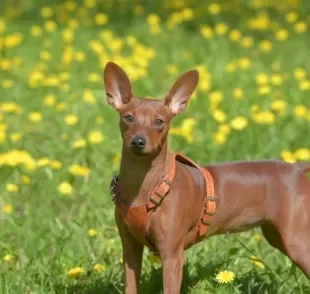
(136, 217)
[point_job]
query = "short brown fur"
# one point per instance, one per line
(272, 194)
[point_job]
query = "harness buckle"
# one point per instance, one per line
(211, 198)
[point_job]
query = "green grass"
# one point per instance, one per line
(47, 233)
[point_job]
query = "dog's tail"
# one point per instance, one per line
(303, 165)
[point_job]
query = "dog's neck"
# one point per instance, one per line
(138, 175)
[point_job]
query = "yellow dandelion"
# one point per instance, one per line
(225, 129)
(219, 115)
(50, 26)
(15, 137)
(99, 268)
(239, 123)
(47, 12)
(247, 42)
(8, 258)
(95, 137)
(265, 46)
(101, 19)
(65, 188)
(221, 28)
(3, 136)
(244, 63)
(257, 262)
(92, 233)
(264, 117)
(220, 138)
(278, 105)
(12, 187)
(291, 17)
(89, 97)
(300, 27)
(43, 162)
(304, 85)
(302, 154)
(94, 77)
(262, 79)
(80, 143)
(281, 35)
(264, 90)
(49, 100)
(238, 93)
(214, 8)
(257, 237)
(67, 35)
(206, 32)
(7, 208)
(299, 73)
(35, 117)
(55, 164)
(235, 35)
(25, 179)
(75, 272)
(300, 110)
(78, 170)
(71, 119)
(225, 277)
(80, 56)
(288, 156)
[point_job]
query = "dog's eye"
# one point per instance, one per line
(128, 118)
(159, 122)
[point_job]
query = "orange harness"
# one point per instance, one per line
(136, 217)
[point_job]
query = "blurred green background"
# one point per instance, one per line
(60, 144)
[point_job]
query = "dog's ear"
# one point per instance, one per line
(179, 94)
(117, 85)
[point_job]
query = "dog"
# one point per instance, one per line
(167, 202)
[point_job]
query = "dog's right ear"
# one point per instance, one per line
(117, 85)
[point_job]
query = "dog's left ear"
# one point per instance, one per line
(181, 91)
(117, 85)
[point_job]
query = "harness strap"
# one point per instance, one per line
(137, 217)
(158, 194)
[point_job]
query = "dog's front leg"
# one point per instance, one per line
(172, 271)
(132, 258)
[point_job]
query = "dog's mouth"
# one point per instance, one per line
(143, 152)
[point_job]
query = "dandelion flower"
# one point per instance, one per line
(35, 117)
(80, 143)
(95, 137)
(99, 268)
(7, 209)
(257, 262)
(8, 258)
(239, 123)
(65, 188)
(92, 233)
(225, 277)
(11, 187)
(71, 119)
(78, 170)
(75, 272)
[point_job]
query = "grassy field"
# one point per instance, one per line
(60, 144)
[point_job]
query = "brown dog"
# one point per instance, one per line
(165, 201)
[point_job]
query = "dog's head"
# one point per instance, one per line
(144, 122)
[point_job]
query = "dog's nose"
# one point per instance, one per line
(138, 142)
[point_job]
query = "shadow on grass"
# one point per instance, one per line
(252, 282)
